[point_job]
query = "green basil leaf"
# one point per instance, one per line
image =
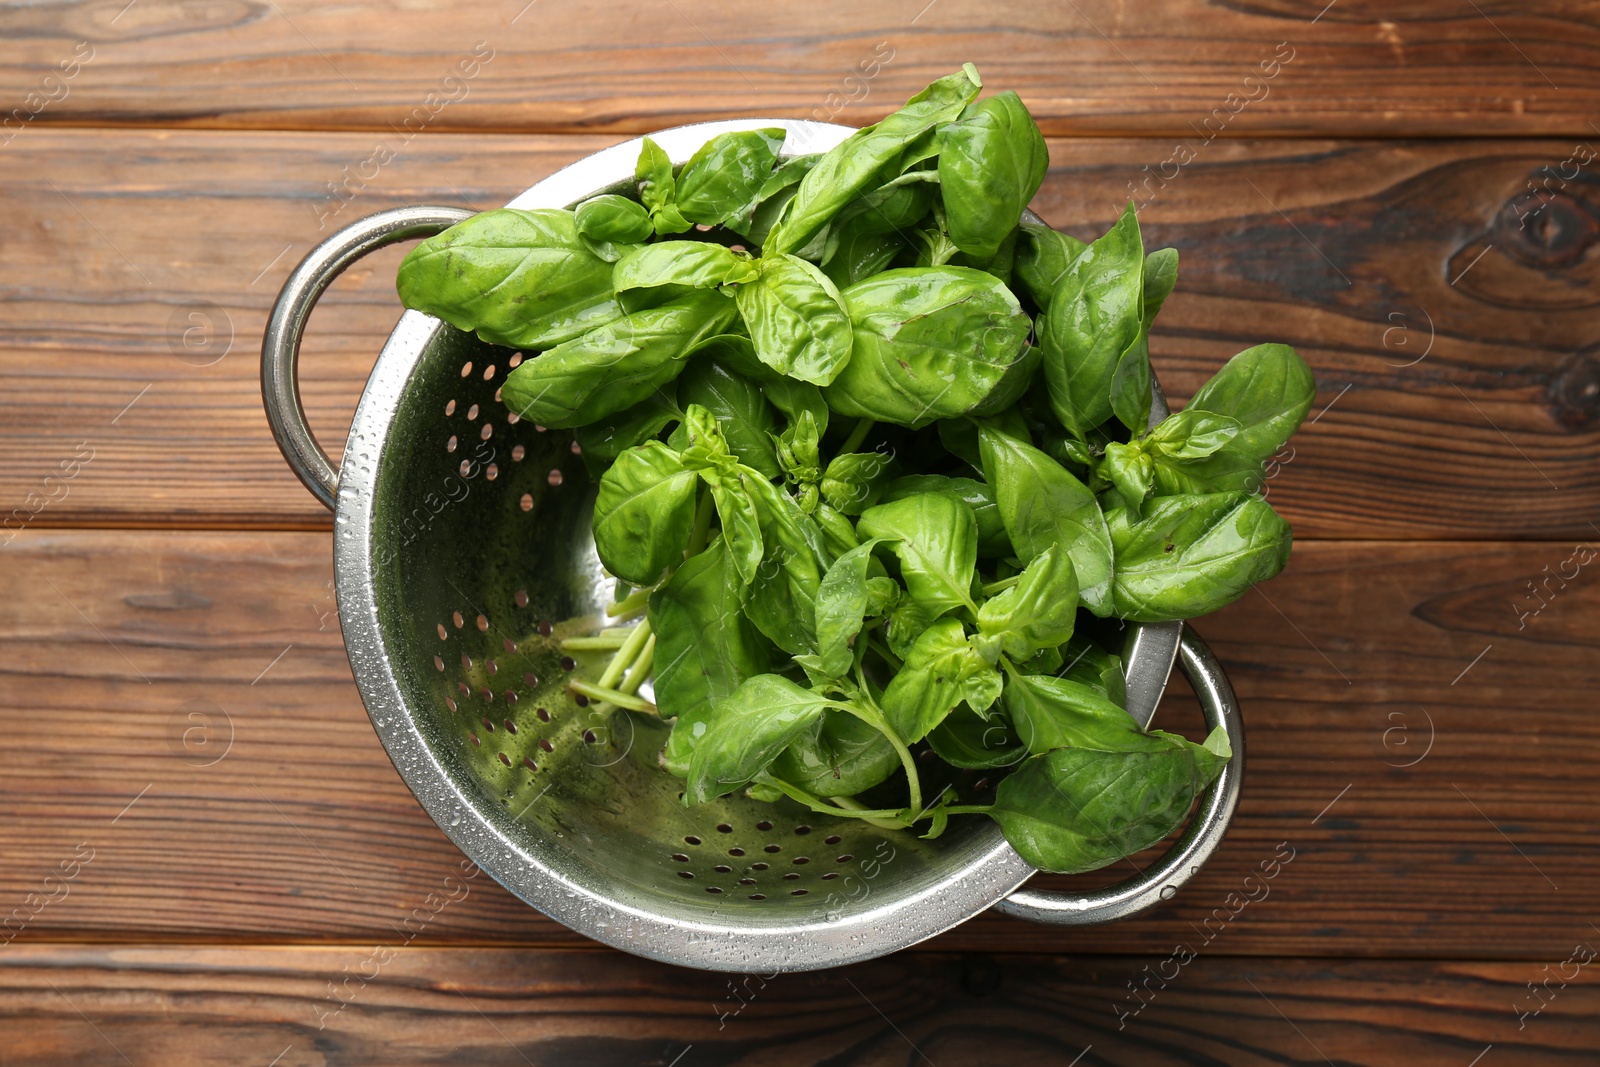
(1130, 386)
(1043, 505)
(1160, 277)
(930, 343)
(746, 731)
(862, 159)
(643, 513)
(1131, 469)
(992, 161)
(861, 253)
(993, 543)
(838, 535)
(723, 178)
(846, 756)
(967, 740)
(854, 481)
(743, 415)
(1191, 555)
(772, 198)
(781, 599)
(603, 441)
(908, 620)
(796, 318)
(1268, 390)
(841, 606)
(705, 647)
(1095, 315)
(1013, 385)
(1036, 613)
(696, 264)
(789, 395)
(519, 278)
(613, 219)
(1073, 809)
(613, 367)
(1002, 264)
(1043, 256)
(935, 535)
(703, 448)
(941, 670)
(658, 189)
(1091, 665)
(1051, 713)
(1192, 434)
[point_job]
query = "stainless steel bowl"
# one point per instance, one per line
(462, 553)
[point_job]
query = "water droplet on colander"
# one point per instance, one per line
(455, 819)
(833, 916)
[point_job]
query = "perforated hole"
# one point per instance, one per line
(487, 696)
(474, 737)
(508, 644)
(488, 372)
(554, 478)
(544, 743)
(466, 368)
(802, 830)
(505, 759)
(762, 825)
(456, 618)
(832, 839)
(691, 839)
(521, 597)
(497, 396)
(545, 629)
(685, 874)
(465, 468)
(491, 666)
(464, 689)
(492, 471)
(736, 852)
(537, 428)
(747, 881)
(759, 866)
(791, 876)
(773, 848)
(472, 413)
(680, 857)
(438, 663)
(451, 704)
(577, 449)
(483, 624)
(830, 874)
(798, 860)
(528, 763)
(758, 896)
(511, 416)
(487, 725)
(450, 445)
(466, 662)
(723, 868)
(487, 431)
(798, 892)
(450, 408)
(531, 681)
(515, 361)
(544, 715)
(713, 889)
(589, 737)
(568, 663)
(846, 858)
(510, 696)
(517, 451)
(444, 634)
(526, 503)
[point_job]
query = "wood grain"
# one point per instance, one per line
(327, 1006)
(1455, 347)
(1353, 69)
(180, 704)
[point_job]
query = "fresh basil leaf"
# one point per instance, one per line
(696, 264)
(603, 441)
(797, 319)
(746, 731)
(781, 599)
(1002, 264)
(1131, 470)
(840, 607)
(1091, 665)
(518, 278)
(854, 481)
(1160, 278)
(935, 536)
(658, 188)
(612, 219)
(1095, 315)
(743, 415)
(1072, 810)
(838, 535)
(1043, 505)
(702, 448)
(930, 343)
(992, 540)
(772, 198)
(941, 670)
(1013, 385)
(893, 207)
(1192, 434)
(644, 512)
(1268, 389)
(705, 647)
(991, 162)
(1191, 555)
(846, 756)
(1051, 713)
(1130, 386)
(967, 740)
(862, 159)
(861, 253)
(1036, 613)
(613, 367)
(907, 621)
(1043, 256)
(723, 178)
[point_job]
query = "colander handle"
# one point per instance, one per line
(1163, 878)
(280, 345)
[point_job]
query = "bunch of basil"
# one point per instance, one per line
(864, 480)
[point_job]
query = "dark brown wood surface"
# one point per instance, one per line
(1409, 196)
(1459, 387)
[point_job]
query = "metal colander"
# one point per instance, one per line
(463, 556)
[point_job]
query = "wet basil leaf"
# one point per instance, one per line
(907, 621)
(967, 740)
(1160, 278)
(1131, 470)
(1095, 316)
(854, 481)
(518, 278)
(993, 543)
(862, 159)
(1051, 713)
(1042, 258)
(643, 513)
(658, 189)
(861, 253)
(935, 536)
(705, 647)
(743, 415)
(1089, 664)
(1268, 390)
(724, 177)
(603, 441)
(846, 756)
(797, 319)
(1191, 555)
(695, 264)
(1192, 433)
(772, 198)
(840, 607)
(1036, 613)
(941, 670)
(930, 343)
(609, 220)
(781, 600)
(746, 731)
(1130, 386)
(991, 162)
(1074, 809)
(1043, 505)
(611, 368)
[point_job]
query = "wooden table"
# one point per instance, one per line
(202, 840)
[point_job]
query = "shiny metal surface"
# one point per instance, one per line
(463, 556)
(1162, 879)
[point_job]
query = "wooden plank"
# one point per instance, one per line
(1163, 67)
(180, 704)
(1459, 391)
(329, 1005)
